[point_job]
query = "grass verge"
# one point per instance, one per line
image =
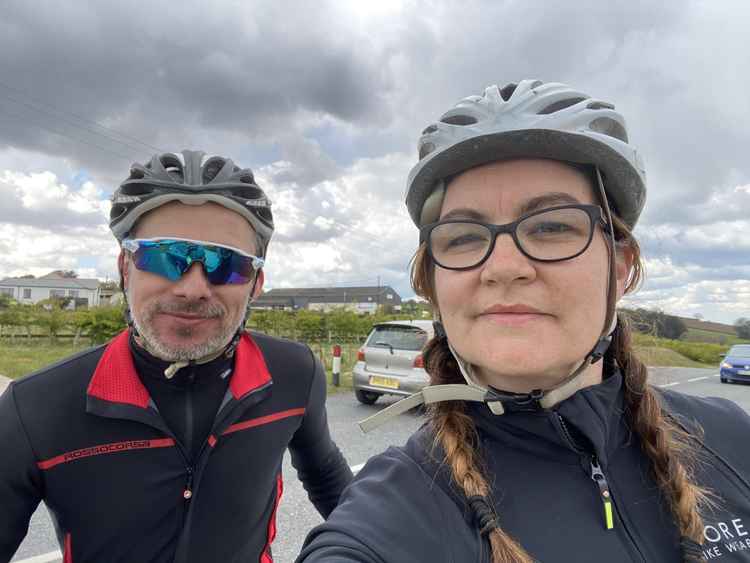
(22, 358)
(19, 359)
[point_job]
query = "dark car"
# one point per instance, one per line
(735, 366)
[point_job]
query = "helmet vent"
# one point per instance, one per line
(507, 91)
(426, 149)
(430, 129)
(252, 193)
(136, 189)
(610, 127)
(136, 173)
(459, 120)
(600, 105)
(560, 105)
(246, 179)
(211, 168)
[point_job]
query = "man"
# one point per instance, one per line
(166, 444)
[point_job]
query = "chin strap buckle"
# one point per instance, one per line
(602, 345)
(514, 402)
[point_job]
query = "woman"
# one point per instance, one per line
(544, 442)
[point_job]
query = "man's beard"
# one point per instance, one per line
(155, 345)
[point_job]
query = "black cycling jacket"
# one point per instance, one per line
(402, 506)
(86, 437)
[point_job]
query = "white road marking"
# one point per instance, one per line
(44, 558)
(697, 379)
(688, 380)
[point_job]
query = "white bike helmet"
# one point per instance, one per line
(531, 119)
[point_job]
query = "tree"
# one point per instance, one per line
(656, 323)
(671, 327)
(101, 323)
(6, 301)
(742, 326)
(11, 316)
(63, 274)
(51, 315)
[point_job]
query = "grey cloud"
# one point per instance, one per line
(155, 75)
(308, 165)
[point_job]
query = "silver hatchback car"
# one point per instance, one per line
(390, 360)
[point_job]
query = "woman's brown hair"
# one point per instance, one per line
(669, 448)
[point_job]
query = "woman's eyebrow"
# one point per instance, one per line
(546, 200)
(463, 213)
(540, 202)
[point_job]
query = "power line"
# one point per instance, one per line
(70, 122)
(62, 134)
(37, 102)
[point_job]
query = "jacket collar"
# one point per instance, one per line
(115, 379)
(593, 416)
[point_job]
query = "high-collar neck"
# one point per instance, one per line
(148, 365)
(594, 416)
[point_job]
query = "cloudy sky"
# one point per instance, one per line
(325, 101)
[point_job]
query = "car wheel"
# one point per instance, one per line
(724, 380)
(366, 397)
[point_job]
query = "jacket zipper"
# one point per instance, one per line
(187, 494)
(189, 491)
(598, 476)
(605, 493)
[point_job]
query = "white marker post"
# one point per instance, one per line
(336, 365)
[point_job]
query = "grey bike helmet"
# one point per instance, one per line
(531, 119)
(193, 179)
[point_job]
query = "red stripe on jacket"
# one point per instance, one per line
(103, 449)
(260, 421)
(68, 553)
(265, 556)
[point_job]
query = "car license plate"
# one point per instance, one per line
(743, 372)
(388, 382)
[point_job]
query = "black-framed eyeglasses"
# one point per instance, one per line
(548, 235)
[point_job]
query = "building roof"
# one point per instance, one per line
(301, 296)
(52, 283)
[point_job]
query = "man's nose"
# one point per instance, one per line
(193, 284)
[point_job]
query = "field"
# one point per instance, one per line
(698, 335)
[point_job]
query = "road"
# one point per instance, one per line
(296, 516)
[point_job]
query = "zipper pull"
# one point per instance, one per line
(187, 494)
(598, 476)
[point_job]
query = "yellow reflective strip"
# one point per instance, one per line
(608, 515)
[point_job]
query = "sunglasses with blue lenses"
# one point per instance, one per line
(172, 257)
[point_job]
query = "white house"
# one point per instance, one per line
(86, 292)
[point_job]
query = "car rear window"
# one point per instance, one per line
(740, 351)
(400, 337)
